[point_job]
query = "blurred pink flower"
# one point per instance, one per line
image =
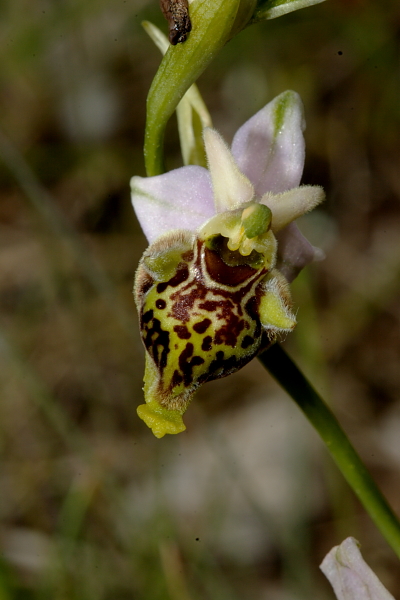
(351, 577)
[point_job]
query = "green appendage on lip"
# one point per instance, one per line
(256, 220)
(161, 420)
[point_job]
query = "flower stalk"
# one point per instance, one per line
(289, 376)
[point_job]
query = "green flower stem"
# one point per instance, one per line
(283, 369)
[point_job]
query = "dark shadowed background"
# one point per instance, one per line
(245, 503)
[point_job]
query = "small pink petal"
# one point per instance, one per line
(269, 148)
(179, 199)
(291, 205)
(294, 252)
(231, 188)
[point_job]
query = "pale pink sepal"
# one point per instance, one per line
(269, 148)
(231, 187)
(179, 199)
(350, 576)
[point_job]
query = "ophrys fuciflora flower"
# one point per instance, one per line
(212, 288)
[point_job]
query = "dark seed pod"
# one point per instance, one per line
(177, 14)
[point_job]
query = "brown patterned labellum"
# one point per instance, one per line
(177, 14)
(205, 310)
(200, 317)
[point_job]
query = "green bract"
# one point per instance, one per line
(191, 112)
(214, 22)
(271, 9)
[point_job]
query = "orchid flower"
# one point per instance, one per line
(212, 287)
(350, 576)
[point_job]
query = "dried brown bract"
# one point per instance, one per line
(177, 14)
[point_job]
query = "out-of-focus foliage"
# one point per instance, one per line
(246, 503)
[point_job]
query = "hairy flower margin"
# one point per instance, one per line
(212, 288)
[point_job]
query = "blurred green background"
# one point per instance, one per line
(246, 503)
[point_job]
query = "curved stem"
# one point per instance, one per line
(283, 369)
